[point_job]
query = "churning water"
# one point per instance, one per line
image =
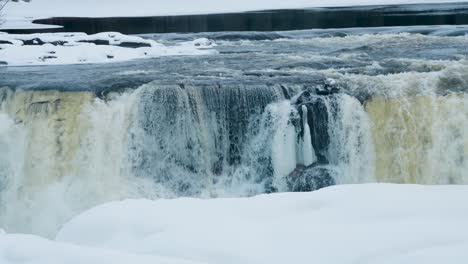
(270, 112)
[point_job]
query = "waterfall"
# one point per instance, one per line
(283, 144)
(63, 152)
(189, 139)
(420, 139)
(351, 148)
(42, 135)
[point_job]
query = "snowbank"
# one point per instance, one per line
(28, 249)
(375, 223)
(19, 15)
(342, 224)
(79, 48)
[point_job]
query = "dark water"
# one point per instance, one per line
(278, 20)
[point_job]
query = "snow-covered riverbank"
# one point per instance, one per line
(79, 48)
(376, 223)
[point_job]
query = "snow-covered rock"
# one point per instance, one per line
(79, 48)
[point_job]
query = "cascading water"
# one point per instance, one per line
(63, 152)
(291, 111)
(190, 138)
(418, 124)
(42, 134)
(421, 139)
(351, 148)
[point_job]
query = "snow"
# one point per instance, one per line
(19, 15)
(374, 223)
(29, 249)
(75, 48)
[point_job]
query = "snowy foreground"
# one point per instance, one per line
(374, 223)
(79, 48)
(19, 15)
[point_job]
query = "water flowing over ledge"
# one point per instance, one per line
(267, 113)
(66, 151)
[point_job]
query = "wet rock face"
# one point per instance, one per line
(4, 93)
(317, 100)
(306, 179)
(317, 119)
(328, 87)
(325, 87)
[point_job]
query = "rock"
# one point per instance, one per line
(5, 92)
(6, 42)
(44, 58)
(329, 87)
(58, 42)
(96, 41)
(306, 179)
(318, 119)
(34, 41)
(134, 44)
(304, 97)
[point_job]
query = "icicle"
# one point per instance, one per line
(307, 148)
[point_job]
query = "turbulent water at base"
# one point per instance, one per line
(65, 151)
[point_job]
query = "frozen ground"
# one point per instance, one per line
(79, 48)
(376, 223)
(19, 15)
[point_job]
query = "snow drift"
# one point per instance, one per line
(375, 223)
